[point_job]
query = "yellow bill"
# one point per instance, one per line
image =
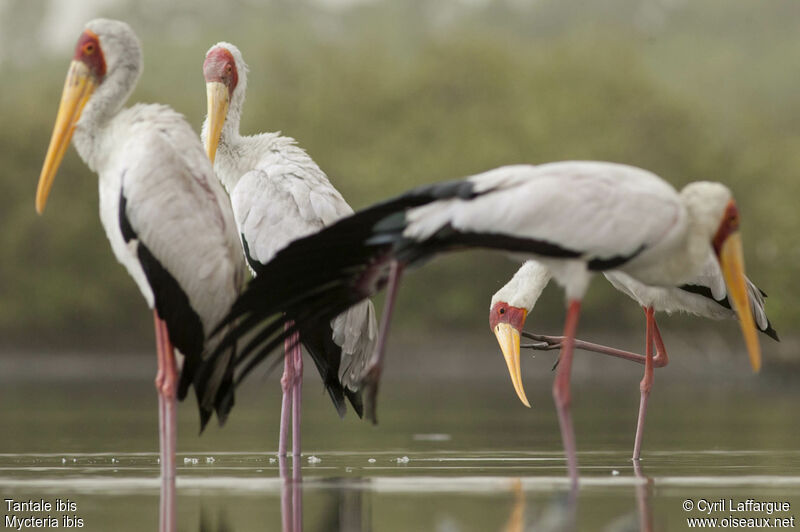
(78, 87)
(218, 98)
(731, 259)
(508, 338)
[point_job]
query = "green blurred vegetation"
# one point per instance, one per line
(389, 95)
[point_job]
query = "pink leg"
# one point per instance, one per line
(562, 396)
(661, 359)
(297, 395)
(550, 343)
(373, 373)
(166, 386)
(159, 383)
(646, 385)
(287, 381)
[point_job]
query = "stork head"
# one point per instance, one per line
(508, 310)
(714, 209)
(107, 58)
(225, 73)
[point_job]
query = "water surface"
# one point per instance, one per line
(448, 454)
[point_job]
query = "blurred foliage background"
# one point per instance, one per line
(388, 95)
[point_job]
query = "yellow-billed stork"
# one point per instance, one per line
(575, 217)
(279, 194)
(166, 216)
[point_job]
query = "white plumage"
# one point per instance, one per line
(166, 217)
(558, 198)
(597, 211)
(174, 204)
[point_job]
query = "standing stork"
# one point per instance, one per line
(165, 215)
(576, 218)
(279, 194)
(705, 296)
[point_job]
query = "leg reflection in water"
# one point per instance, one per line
(166, 511)
(291, 497)
(644, 491)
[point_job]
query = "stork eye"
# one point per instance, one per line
(88, 48)
(228, 68)
(502, 310)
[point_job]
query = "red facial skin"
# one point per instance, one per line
(220, 66)
(729, 224)
(504, 313)
(88, 52)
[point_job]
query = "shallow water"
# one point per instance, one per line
(448, 455)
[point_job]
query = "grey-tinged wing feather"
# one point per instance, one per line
(273, 209)
(356, 332)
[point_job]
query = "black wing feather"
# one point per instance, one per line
(725, 302)
(183, 323)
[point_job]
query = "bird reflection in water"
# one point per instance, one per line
(558, 516)
(349, 512)
(221, 526)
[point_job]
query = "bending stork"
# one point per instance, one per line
(577, 218)
(279, 194)
(705, 296)
(166, 217)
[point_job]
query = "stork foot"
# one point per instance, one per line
(543, 342)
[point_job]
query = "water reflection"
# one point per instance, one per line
(516, 521)
(166, 511)
(291, 496)
(560, 515)
(644, 491)
(222, 524)
(464, 482)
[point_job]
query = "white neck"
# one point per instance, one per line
(228, 162)
(524, 289)
(104, 104)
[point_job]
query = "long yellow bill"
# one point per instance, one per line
(731, 259)
(78, 87)
(508, 338)
(218, 99)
